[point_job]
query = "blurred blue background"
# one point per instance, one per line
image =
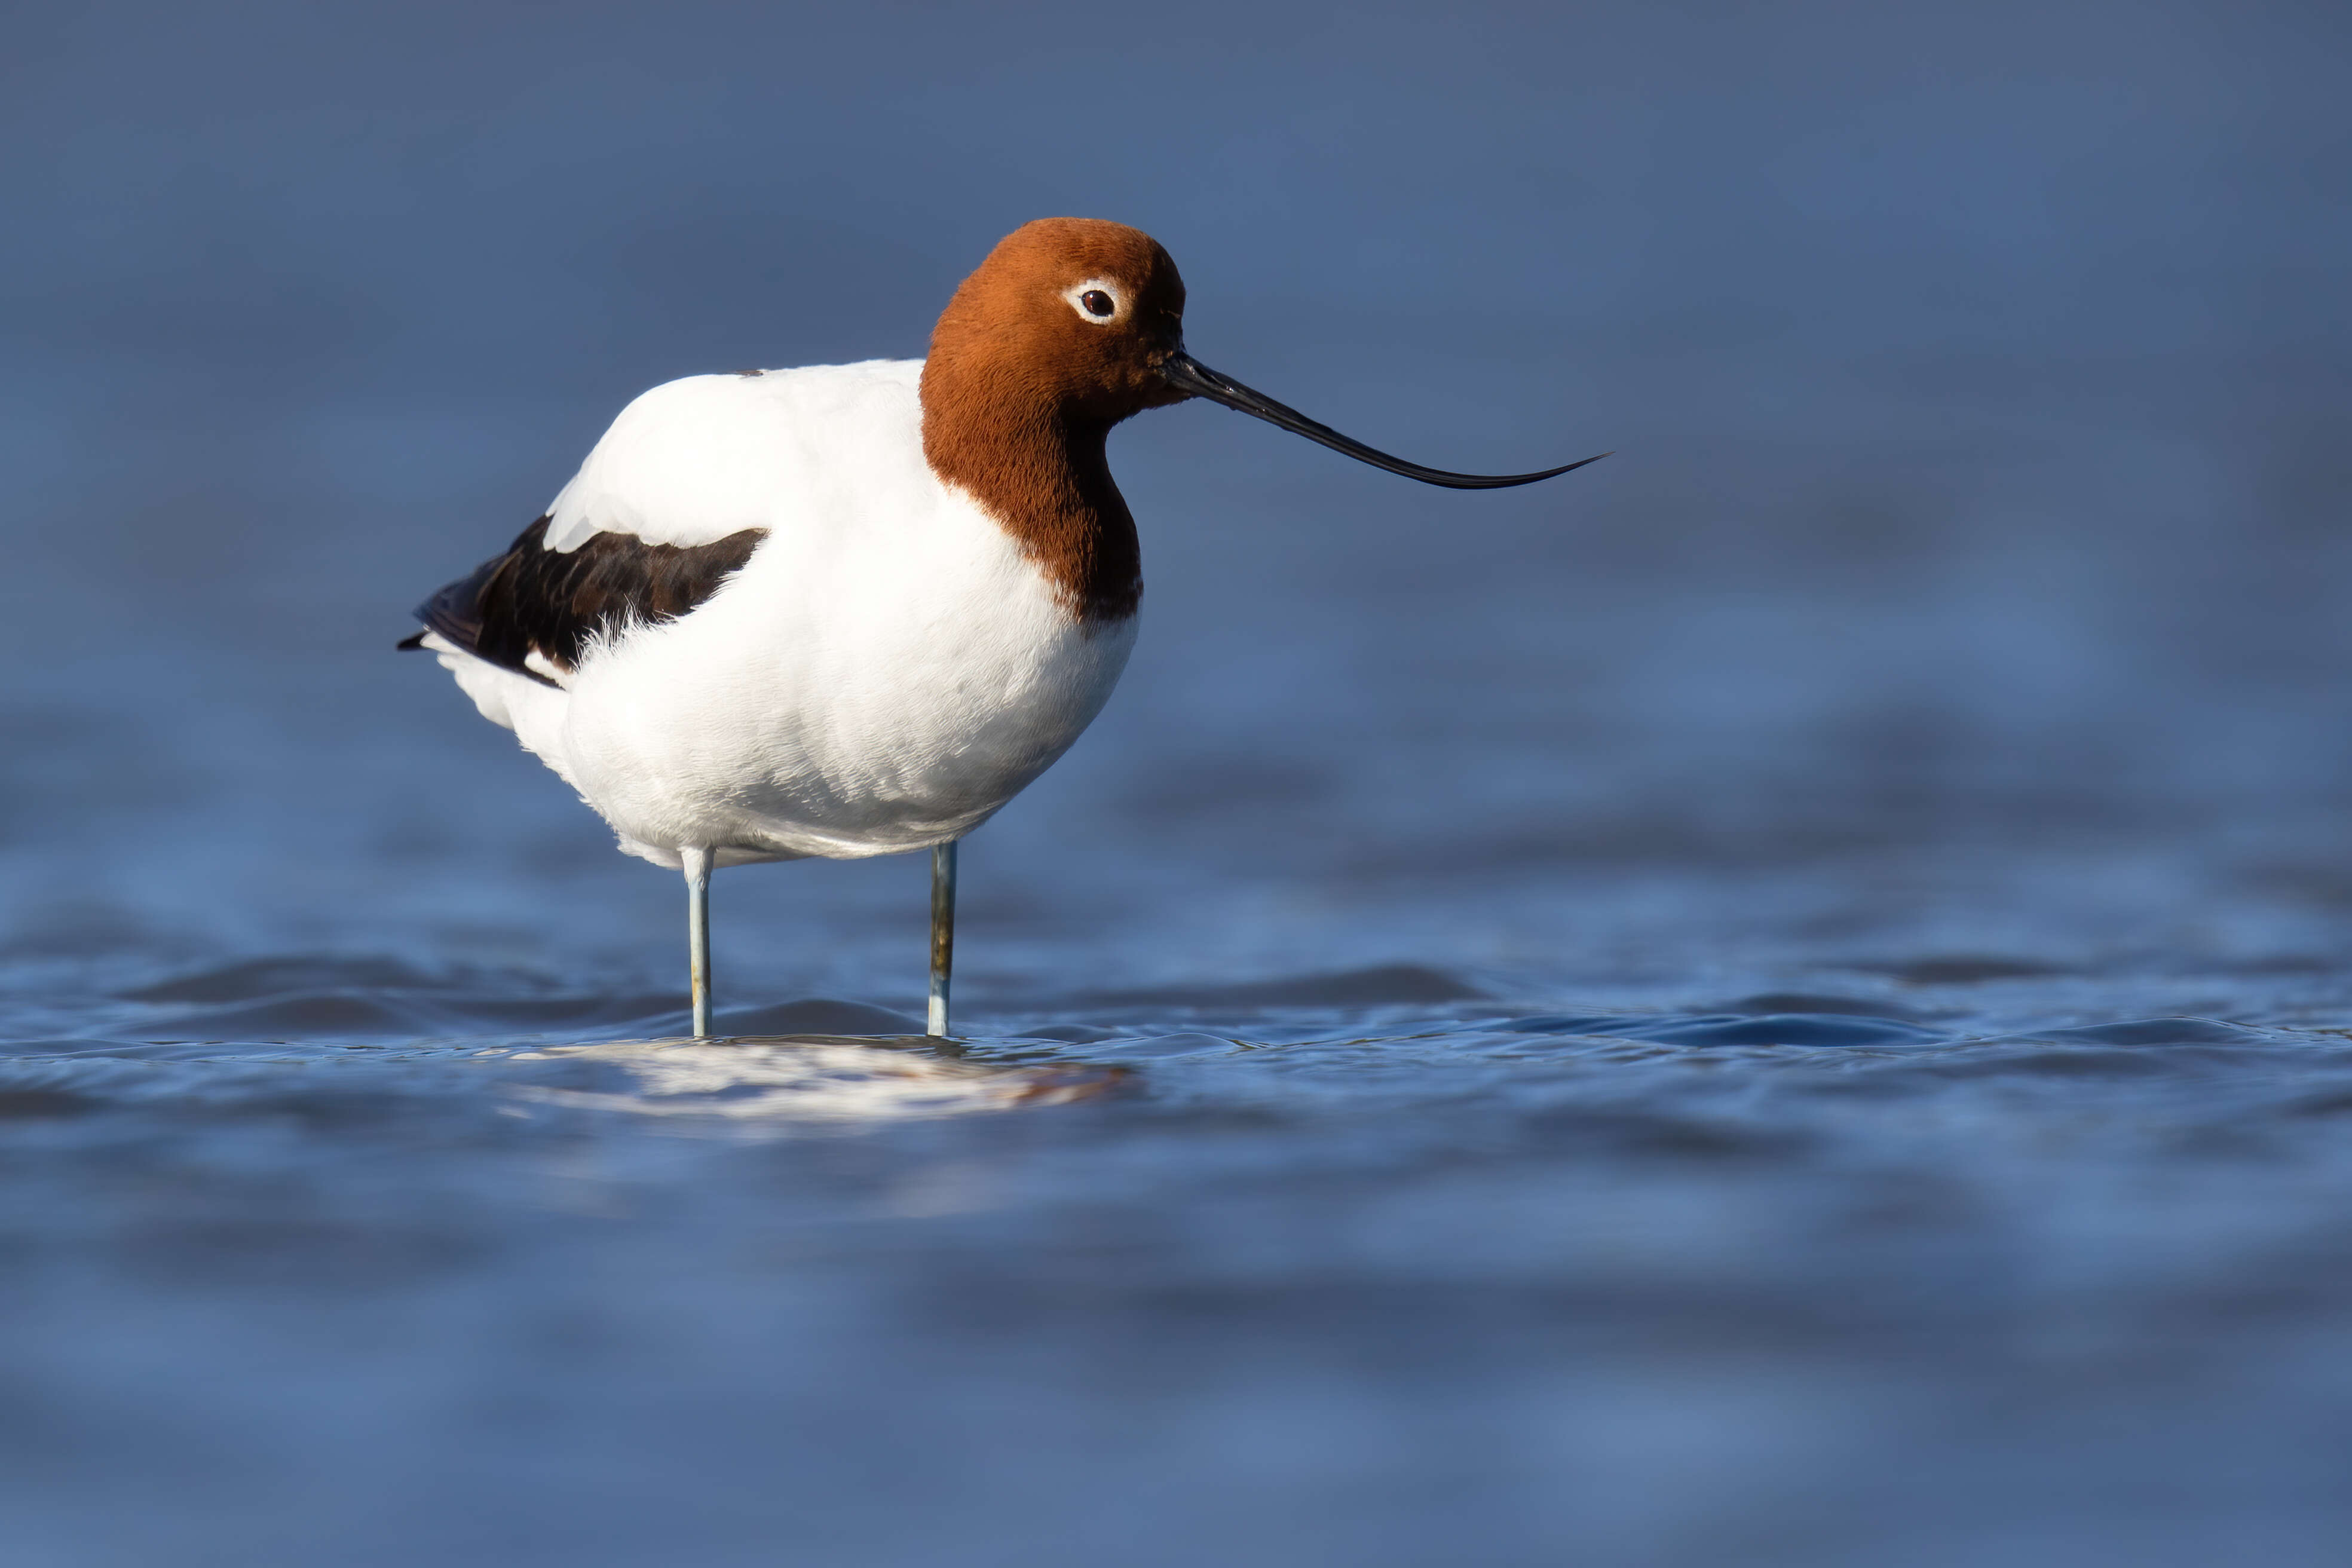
(1977, 377)
(1954, 639)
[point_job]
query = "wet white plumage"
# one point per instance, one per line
(886, 671)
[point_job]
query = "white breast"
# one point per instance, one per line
(887, 671)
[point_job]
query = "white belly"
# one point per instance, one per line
(845, 694)
(838, 708)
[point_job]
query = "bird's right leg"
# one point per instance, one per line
(697, 934)
(944, 892)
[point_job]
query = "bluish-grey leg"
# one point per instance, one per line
(697, 934)
(943, 879)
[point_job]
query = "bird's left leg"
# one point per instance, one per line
(697, 934)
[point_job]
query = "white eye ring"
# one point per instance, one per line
(1076, 295)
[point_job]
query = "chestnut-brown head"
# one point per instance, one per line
(1075, 315)
(1081, 322)
(1070, 326)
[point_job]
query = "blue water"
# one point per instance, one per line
(1783, 999)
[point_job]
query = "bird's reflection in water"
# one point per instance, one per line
(784, 1079)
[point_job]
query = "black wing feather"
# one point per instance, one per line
(536, 600)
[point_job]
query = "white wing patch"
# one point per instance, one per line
(693, 461)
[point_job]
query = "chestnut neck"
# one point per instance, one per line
(1037, 466)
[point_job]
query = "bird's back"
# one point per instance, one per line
(695, 461)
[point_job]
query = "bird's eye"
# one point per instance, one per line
(1098, 301)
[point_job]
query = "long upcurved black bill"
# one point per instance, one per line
(1191, 377)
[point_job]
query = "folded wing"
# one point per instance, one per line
(674, 500)
(533, 600)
